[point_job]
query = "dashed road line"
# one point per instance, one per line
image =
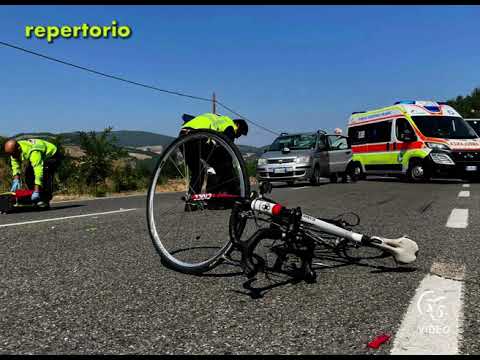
(67, 217)
(464, 193)
(433, 322)
(458, 219)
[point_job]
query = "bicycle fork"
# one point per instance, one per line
(296, 243)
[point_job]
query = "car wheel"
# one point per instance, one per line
(355, 172)
(315, 179)
(334, 178)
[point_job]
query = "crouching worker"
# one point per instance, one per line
(203, 158)
(43, 160)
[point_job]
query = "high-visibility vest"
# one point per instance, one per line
(211, 121)
(36, 151)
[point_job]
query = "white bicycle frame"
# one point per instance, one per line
(403, 249)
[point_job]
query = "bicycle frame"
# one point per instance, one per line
(275, 209)
(403, 249)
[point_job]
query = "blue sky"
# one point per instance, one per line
(291, 68)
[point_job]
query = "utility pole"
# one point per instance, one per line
(214, 103)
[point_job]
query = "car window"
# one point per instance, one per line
(337, 142)
(321, 142)
(294, 142)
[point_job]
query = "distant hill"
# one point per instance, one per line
(130, 139)
(127, 138)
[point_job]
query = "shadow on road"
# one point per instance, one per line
(296, 185)
(66, 207)
(398, 180)
(280, 277)
(29, 209)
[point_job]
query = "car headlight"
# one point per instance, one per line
(437, 146)
(262, 161)
(302, 159)
(441, 158)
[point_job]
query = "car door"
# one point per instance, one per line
(339, 153)
(321, 155)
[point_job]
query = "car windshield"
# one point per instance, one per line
(445, 127)
(475, 124)
(294, 142)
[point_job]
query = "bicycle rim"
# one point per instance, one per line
(192, 236)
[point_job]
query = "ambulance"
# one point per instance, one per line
(414, 139)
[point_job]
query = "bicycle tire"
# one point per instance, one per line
(167, 258)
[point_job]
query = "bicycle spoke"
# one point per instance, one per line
(190, 234)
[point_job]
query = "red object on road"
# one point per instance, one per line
(22, 194)
(379, 340)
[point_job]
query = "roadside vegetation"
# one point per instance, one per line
(468, 106)
(100, 166)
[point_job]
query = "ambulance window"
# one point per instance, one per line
(380, 132)
(403, 127)
(358, 135)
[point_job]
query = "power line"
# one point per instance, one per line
(243, 117)
(131, 82)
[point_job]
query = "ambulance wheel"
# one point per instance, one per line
(416, 171)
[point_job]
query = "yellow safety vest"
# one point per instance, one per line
(211, 121)
(35, 151)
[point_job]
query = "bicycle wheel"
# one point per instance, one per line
(190, 199)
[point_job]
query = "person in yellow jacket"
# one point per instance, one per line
(221, 123)
(201, 157)
(43, 158)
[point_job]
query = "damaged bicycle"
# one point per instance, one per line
(198, 210)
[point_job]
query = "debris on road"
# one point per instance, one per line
(379, 340)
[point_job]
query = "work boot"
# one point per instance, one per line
(43, 204)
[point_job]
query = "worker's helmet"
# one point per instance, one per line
(242, 127)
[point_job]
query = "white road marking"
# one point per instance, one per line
(99, 198)
(67, 217)
(464, 193)
(433, 322)
(114, 197)
(466, 185)
(302, 187)
(458, 219)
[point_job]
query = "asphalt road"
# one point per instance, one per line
(95, 284)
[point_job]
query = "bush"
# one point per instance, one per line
(103, 168)
(100, 152)
(251, 166)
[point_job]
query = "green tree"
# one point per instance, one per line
(468, 106)
(97, 162)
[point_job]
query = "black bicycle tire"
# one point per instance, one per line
(215, 260)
